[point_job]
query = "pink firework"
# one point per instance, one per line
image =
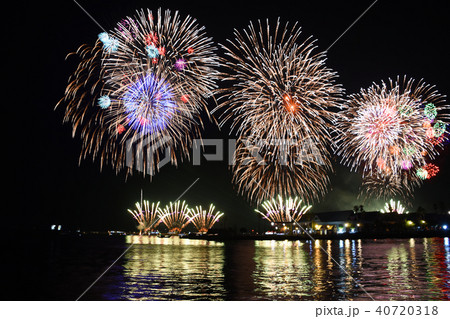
(383, 126)
(384, 134)
(180, 64)
(406, 165)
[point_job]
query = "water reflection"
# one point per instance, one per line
(398, 268)
(282, 270)
(175, 268)
(238, 269)
(174, 240)
(437, 256)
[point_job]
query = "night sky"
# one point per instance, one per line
(50, 186)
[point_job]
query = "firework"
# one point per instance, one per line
(391, 128)
(204, 220)
(281, 91)
(147, 216)
(176, 216)
(279, 210)
(386, 185)
(145, 84)
(394, 207)
(261, 174)
(427, 171)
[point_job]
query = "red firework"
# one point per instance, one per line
(431, 169)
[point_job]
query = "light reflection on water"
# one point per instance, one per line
(175, 268)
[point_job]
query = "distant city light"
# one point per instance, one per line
(444, 227)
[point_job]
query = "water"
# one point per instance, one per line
(183, 269)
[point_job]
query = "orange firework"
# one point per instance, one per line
(147, 216)
(279, 210)
(176, 216)
(204, 220)
(281, 93)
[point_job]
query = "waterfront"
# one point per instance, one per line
(187, 269)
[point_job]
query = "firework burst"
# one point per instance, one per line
(390, 129)
(176, 216)
(204, 220)
(384, 185)
(427, 171)
(281, 91)
(279, 210)
(147, 216)
(144, 84)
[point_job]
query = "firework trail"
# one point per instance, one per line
(381, 185)
(279, 210)
(394, 207)
(390, 130)
(176, 216)
(146, 216)
(280, 90)
(259, 173)
(147, 81)
(204, 220)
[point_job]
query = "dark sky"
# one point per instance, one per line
(48, 184)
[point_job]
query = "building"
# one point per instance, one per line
(326, 223)
(367, 223)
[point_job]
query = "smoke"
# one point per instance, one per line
(343, 194)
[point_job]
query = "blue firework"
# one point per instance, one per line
(110, 44)
(104, 101)
(152, 51)
(149, 104)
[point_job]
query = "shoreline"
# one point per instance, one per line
(280, 237)
(218, 237)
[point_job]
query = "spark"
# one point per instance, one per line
(394, 207)
(383, 133)
(176, 216)
(278, 210)
(204, 220)
(147, 216)
(280, 90)
(133, 65)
